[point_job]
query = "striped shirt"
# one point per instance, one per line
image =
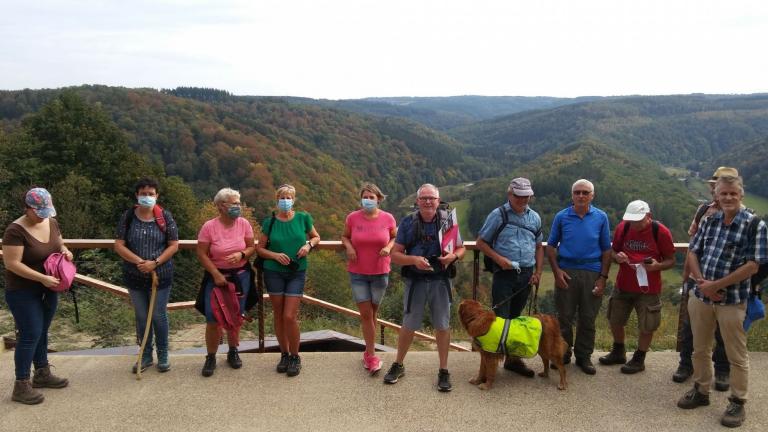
(146, 240)
(721, 249)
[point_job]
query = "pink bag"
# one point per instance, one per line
(58, 266)
(226, 307)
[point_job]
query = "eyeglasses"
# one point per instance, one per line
(428, 198)
(581, 192)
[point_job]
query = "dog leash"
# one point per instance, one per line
(497, 305)
(534, 301)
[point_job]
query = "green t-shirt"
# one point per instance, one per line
(288, 238)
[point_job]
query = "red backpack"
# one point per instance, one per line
(226, 306)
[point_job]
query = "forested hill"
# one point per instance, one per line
(690, 131)
(256, 144)
(443, 113)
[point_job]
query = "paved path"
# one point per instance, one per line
(334, 393)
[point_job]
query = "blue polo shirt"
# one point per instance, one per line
(514, 243)
(580, 241)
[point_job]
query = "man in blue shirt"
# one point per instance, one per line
(517, 254)
(722, 257)
(426, 276)
(579, 253)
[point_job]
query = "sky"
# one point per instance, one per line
(343, 49)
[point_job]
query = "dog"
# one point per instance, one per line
(477, 320)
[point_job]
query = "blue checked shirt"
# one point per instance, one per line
(722, 249)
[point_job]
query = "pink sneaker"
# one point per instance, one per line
(366, 361)
(374, 364)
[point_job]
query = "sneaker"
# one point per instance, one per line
(734, 415)
(396, 371)
(693, 399)
(682, 374)
(24, 393)
(282, 366)
(44, 378)
(517, 366)
(374, 364)
(722, 381)
(233, 358)
(210, 365)
(618, 355)
(586, 366)
(444, 381)
(163, 364)
(294, 366)
(366, 360)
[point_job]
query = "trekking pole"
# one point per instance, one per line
(149, 324)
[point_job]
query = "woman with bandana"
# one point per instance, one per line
(147, 239)
(284, 246)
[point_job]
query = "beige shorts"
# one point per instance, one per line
(647, 306)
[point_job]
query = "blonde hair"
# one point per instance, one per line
(372, 188)
(731, 181)
(285, 188)
(224, 195)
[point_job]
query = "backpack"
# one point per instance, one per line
(58, 266)
(488, 264)
(762, 271)
(226, 307)
(443, 212)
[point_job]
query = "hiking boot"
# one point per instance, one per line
(282, 366)
(517, 366)
(635, 365)
(618, 355)
(682, 374)
(734, 415)
(722, 381)
(145, 363)
(24, 393)
(444, 381)
(693, 399)
(233, 358)
(396, 371)
(294, 365)
(44, 378)
(586, 366)
(210, 365)
(163, 364)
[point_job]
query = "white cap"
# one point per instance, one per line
(636, 210)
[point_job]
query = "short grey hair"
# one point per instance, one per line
(427, 186)
(730, 181)
(224, 195)
(584, 182)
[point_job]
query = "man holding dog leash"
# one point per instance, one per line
(511, 239)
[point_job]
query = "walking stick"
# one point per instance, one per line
(149, 324)
(682, 315)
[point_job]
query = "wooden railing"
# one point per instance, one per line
(324, 245)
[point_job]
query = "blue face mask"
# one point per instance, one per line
(147, 201)
(369, 205)
(234, 211)
(285, 204)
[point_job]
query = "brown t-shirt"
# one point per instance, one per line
(35, 253)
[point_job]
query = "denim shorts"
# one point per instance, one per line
(418, 292)
(368, 287)
(289, 284)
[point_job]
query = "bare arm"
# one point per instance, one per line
(202, 256)
(561, 277)
(346, 240)
(12, 257)
(487, 250)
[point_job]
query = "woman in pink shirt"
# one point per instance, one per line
(224, 245)
(369, 234)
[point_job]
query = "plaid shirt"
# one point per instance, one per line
(721, 249)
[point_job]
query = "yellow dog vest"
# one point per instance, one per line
(516, 337)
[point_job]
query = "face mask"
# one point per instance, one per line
(234, 212)
(285, 204)
(368, 204)
(147, 201)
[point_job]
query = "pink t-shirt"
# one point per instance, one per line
(368, 237)
(225, 240)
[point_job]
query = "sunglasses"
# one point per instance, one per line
(581, 192)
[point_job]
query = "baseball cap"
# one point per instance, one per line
(722, 172)
(636, 210)
(521, 187)
(39, 200)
